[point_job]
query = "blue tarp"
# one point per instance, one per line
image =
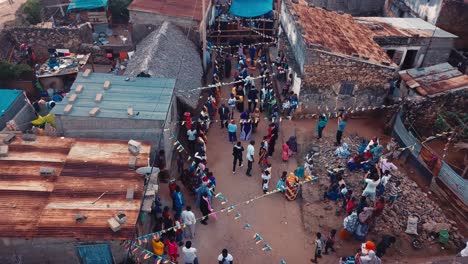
(86, 4)
(251, 8)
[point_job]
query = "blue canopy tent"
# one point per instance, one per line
(87, 4)
(251, 8)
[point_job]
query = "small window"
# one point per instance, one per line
(347, 88)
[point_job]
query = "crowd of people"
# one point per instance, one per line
(379, 189)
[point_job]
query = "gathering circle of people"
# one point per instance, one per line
(379, 189)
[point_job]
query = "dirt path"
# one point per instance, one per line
(7, 10)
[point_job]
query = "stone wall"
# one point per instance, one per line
(325, 72)
(353, 7)
(422, 112)
(43, 38)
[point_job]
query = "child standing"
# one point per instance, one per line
(329, 244)
(266, 176)
(265, 186)
(318, 247)
(172, 249)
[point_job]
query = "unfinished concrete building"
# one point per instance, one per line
(59, 196)
(410, 42)
(339, 62)
(352, 7)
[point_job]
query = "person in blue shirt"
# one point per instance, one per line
(323, 119)
(178, 200)
(342, 122)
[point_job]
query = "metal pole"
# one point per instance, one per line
(204, 34)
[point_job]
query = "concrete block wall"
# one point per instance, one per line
(294, 34)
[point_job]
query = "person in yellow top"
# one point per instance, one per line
(292, 187)
(158, 246)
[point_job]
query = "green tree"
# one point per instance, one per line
(9, 71)
(32, 10)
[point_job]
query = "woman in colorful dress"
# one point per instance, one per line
(292, 187)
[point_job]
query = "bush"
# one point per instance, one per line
(9, 71)
(32, 10)
(119, 11)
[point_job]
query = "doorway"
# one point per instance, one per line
(409, 59)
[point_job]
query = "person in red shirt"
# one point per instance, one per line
(172, 249)
(351, 205)
(379, 207)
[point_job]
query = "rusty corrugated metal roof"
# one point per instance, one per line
(435, 79)
(39, 206)
(171, 8)
(339, 33)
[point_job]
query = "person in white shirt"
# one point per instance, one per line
(250, 157)
(188, 218)
(386, 165)
(266, 180)
(190, 253)
(371, 186)
(225, 257)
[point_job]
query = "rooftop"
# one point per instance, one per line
(7, 98)
(339, 33)
(168, 53)
(402, 27)
(434, 79)
(150, 97)
(45, 206)
(191, 9)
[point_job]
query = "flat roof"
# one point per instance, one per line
(340, 33)
(402, 27)
(45, 206)
(434, 79)
(149, 97)
(191, 9)
(7, 98)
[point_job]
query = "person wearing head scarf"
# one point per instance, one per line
(370, 258)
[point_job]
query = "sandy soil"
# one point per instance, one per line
(7, 10)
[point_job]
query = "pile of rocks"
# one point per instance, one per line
(411, 201)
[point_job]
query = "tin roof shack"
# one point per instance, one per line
(94, 11)
(41, 213)
(432, 81)
(410, 42)
(118, 107)
(14, 106)
(337, 57)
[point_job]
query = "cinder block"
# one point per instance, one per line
(130, 112)
(121, 217)
(86, 73)
(130, 194)
(45, 171)
(134, 147)
(3, 150)
(132, 162)
(150, 192)
(94, 111)
(72, 98)
(107, 85)
(113, 224)
(79, 88)
(9, 138)
(67, 109)
(98, 98)
(29, 137)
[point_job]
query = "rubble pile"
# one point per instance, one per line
(412, 201)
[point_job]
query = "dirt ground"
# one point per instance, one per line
(278, 221)
(7, 10)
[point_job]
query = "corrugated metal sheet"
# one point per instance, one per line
(7, 97)
(38, 206)
(406, 138)
(87, 4)
(149, 97)
(454, 182)
(406, 26)
(339, 33)
(435, 79)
